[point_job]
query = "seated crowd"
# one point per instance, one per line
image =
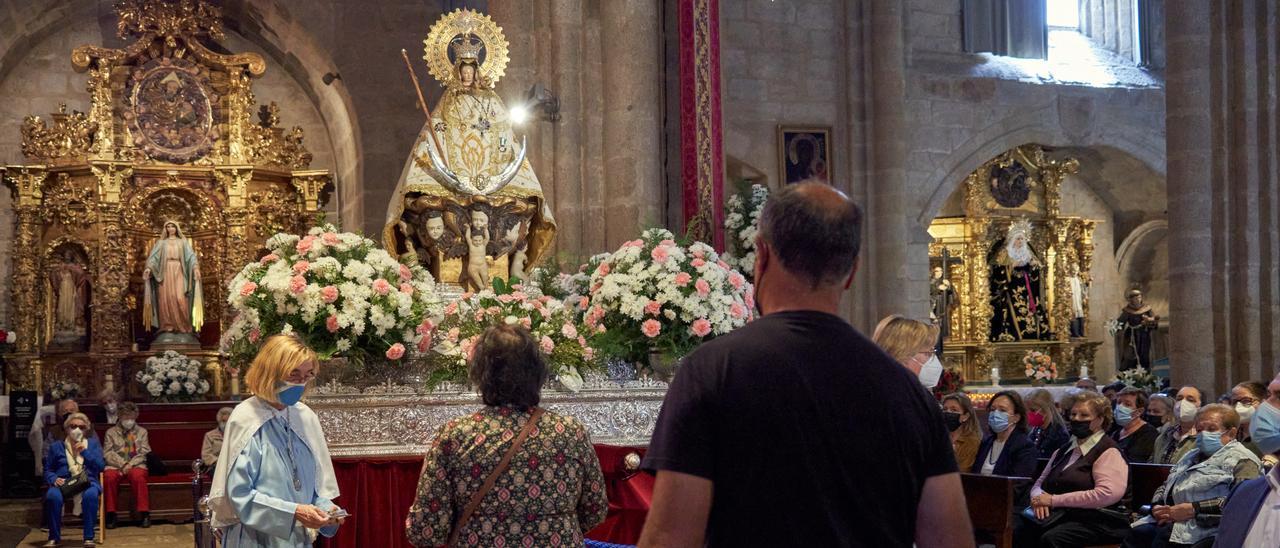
(753, 444)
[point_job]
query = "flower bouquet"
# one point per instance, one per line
(1039, 367)
(339, 292)
(554, 324)
(654, 295)
(172, 377)
(951, 381)
(7, 340)
(1140, 377)
(741, 223)
(62, 389)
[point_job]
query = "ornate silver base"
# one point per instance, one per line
(402, 423)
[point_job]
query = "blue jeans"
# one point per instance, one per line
(53, 506)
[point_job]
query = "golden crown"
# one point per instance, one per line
(466, 48)
(1020, 227)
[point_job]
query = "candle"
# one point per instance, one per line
(995, 376)
(1084, 371)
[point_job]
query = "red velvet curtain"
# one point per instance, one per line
(378, 493)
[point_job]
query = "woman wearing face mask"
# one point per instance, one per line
(912, 344)
(213, 441)
(1250, 515)
(1135, 438)
(1159, 411)
(1185, 511)
(1076, 501)
(1048, 430)
(1245, 399)
(126, 453)
(71, 468)
(274, 484)
(110, 402)
(1007, 451)
(966, 433)
(1177, 438)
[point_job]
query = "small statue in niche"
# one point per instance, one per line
(1137, 321)
(71, 286)
(943, 298)
(476, 276)
(1079, 293)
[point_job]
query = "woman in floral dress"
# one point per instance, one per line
(553, 490)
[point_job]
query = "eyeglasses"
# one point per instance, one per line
(77, 427)
(1246, 401)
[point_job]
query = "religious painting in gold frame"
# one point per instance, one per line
(804, 154)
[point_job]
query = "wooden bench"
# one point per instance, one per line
(176, 432)
(991, 505)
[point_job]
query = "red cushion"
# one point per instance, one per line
(175, 477)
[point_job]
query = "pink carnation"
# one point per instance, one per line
(381, 286)
(703, 287)
(527, 322)
(424, 345)
(426, 327)
(248, 288)
(583, 303)
(653, 308)
(329, 294)
(405, 273)
(699, 263)
(395, 352)
(667, 242)
(737, 311)
(736, 280)
(683, 279)
(304, 245)
(750, 301)
(699, 254)
(651, 328)
(660, 254)
(588, 353)
(546, 344)
(451, 308)
(269, 258)
(722, 264)
(330, 238)
(569, 331)
(331, 323)
(255, 334)
(297, 285)
(301, 267)
(406, 289)
(701, 327)
(603, 269)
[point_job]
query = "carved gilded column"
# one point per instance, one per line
(1060, 304)
(235, 183)
(313, 186)
(101, 113)
(28, 186)
(110, 313)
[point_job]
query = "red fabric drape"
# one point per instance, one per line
(701, 136)
(378, 493)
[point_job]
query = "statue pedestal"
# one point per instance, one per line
(175, 341)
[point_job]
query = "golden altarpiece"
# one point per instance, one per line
(171, 136)
(995, 309)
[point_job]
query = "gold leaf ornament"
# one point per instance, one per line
(466, 25)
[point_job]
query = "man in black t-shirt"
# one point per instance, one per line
(797, 430)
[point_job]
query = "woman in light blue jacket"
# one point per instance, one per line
(1187, 508)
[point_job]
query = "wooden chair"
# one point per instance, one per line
(990, 500)
(1144, 479)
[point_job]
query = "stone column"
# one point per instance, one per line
(570, 180)
(1223, 189)
(632, 118)
(898, 262)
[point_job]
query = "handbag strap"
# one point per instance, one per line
(478, 497)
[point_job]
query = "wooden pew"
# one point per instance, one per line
(1144, 479)
(991, 505)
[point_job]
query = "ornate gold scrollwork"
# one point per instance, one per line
(71, 136)
(70, 204)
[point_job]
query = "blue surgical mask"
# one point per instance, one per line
(1264, 429)
(998, 421)
(289, 393)
(1124, 415)
(1209, 443)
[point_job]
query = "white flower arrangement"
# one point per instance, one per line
(555, 324)
(61, 389)
(340, 292)
(741, 224)
(1113, 326)
(1140, 377)
(171, 376)
(653, 294)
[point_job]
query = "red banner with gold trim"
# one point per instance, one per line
(701, 136)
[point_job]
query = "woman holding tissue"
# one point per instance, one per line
(274, 482)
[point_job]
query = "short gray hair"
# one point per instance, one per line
(226, 410)
(814, 239)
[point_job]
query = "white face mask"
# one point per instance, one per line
(1245, 411)
(1187, 411)
(111, 407)
(931, 372)
(127, 424)
(77, 435)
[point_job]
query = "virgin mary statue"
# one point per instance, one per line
(173, 300)
(468, 196)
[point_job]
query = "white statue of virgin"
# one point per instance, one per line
(173, 300)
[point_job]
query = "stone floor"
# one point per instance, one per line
(158, 535)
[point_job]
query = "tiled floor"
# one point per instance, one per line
(162, 535)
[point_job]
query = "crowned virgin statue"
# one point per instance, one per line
(1017, 296)
(468, 204)
(173, 300)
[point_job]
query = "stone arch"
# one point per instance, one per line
(1028, 127)
(1143, 263)
(262, 22)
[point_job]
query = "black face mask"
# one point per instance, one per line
(1080, 429)
(952, 420)
(1152, 419)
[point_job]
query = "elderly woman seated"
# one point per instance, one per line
(1187, 508)
(1076, 501)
